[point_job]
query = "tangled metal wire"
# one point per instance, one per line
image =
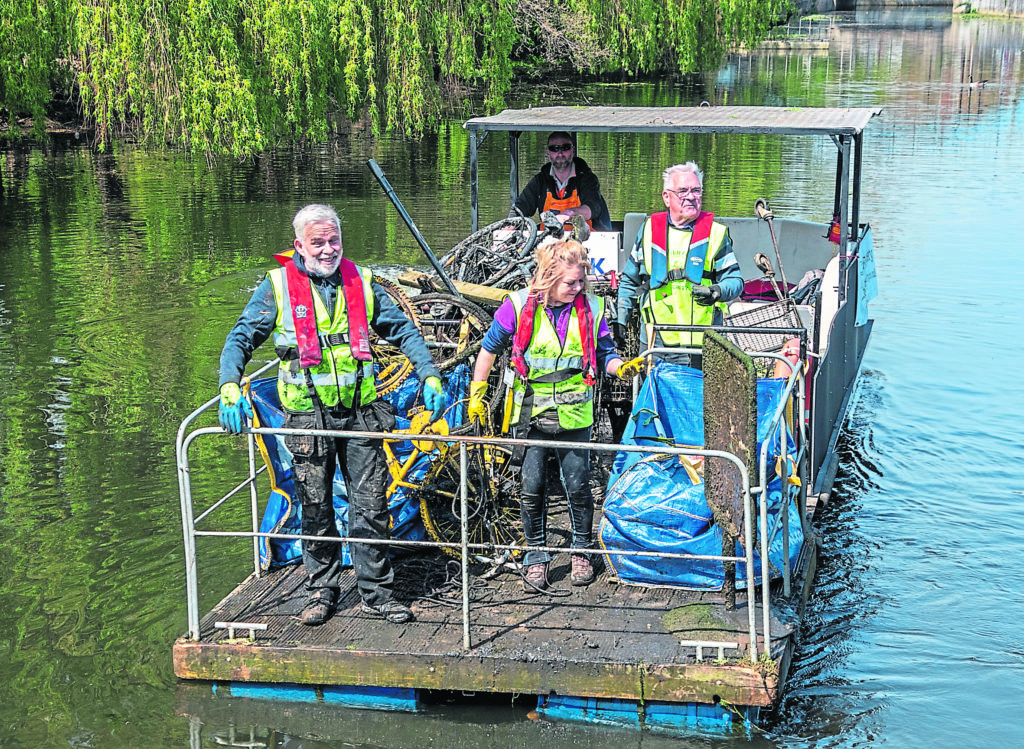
(500, 254)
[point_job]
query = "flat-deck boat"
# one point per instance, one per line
(620, 651)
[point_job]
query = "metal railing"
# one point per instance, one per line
(187, 436)
(805, 28)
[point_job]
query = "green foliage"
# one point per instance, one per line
(238, 77)
(33, 48)
(690, 35)
(223, 76)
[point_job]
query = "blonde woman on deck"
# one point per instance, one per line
(560, 341)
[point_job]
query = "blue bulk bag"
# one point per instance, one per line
(654, 504)
(282, 515)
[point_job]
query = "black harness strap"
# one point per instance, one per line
(319, 411)
(290, 353)
(526, 407)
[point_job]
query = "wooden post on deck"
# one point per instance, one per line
(730, 425)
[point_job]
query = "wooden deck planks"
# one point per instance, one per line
(606, 640)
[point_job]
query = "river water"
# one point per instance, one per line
(120, 273)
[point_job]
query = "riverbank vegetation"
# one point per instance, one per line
(238, 77)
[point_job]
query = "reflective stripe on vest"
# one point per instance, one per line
(545, 356)
(300, 293)
(672, 303)
(336, 375)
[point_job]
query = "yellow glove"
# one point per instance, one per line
(477, 408)
(630, 369)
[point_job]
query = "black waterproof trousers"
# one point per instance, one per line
(364, 468)
(574, 466)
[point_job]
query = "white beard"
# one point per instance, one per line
(323, 270)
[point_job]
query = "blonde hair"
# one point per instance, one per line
(552, 261)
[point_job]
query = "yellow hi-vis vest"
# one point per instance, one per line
(334, 378)
(546, 355)
(672, 303)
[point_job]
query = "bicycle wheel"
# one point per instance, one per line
(453, 328)
(394, 366)
(493, 500)
(491, 252)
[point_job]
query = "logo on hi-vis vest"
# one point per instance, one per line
(301, 311)
(696, 261)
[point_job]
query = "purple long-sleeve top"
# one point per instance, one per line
(499, 336)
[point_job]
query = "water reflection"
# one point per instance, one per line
(122, 272)
(822, 693)
(464, 721)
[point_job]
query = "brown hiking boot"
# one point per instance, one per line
(317, 611)
(536, 577)
(582, 571)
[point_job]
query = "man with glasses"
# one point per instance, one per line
(565, 186)
(681, 270)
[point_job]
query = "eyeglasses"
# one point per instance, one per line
(560, 148)
(694, 192)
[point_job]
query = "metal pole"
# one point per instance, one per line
(786, 574)
(253, 498)
(464, 519)
(858, 142)
(804, 465)
(513, 172)
(839, 173)
(474, 179)
(390, 192)
(188, 530)
(748, 548)
(844, 216)
(765, 591)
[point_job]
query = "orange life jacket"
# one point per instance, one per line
(561, 202)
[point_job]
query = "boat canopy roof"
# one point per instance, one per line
(845, 126)
(750, 120)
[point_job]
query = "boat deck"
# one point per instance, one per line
(607, 640)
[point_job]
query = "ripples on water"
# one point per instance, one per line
(122, 272)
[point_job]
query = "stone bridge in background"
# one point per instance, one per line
(1013, 8)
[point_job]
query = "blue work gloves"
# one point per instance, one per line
(232, 406)
(705, 296)
(434, 398)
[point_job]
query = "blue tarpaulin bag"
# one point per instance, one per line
(282, 515)
(657, 504)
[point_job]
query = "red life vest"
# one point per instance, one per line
(695, 256)
(524, 334)
(300, 297)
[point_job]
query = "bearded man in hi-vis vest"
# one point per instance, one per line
(681, 270)
(319, 307)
